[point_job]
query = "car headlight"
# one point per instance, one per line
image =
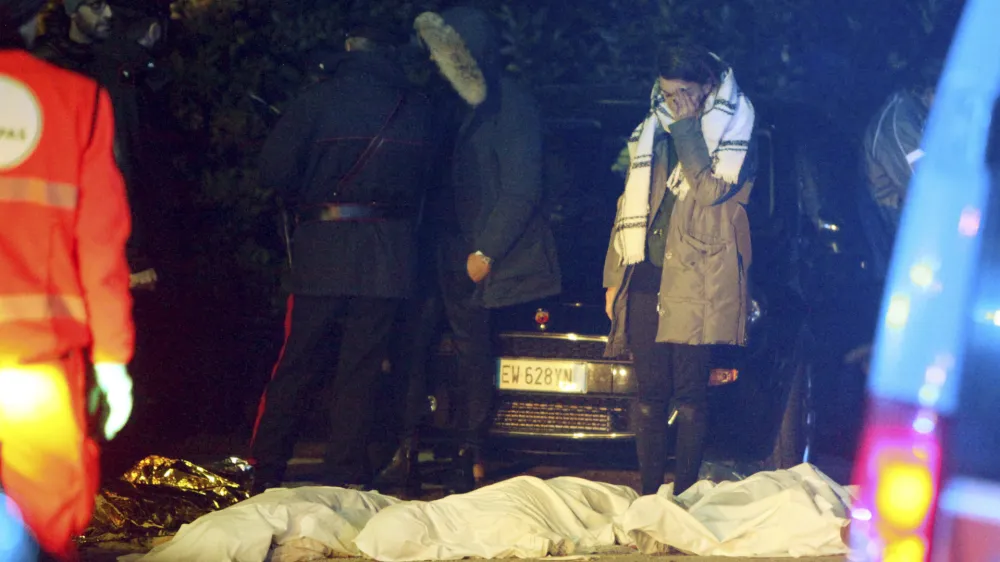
(754, 312)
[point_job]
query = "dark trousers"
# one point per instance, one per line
(365, 327)
(418, 324)
(471, 389)
(670, 377)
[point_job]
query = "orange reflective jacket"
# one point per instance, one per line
(64, 218)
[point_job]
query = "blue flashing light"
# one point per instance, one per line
(15, 544)
(919, 346)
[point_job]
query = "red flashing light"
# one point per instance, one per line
(899, 472)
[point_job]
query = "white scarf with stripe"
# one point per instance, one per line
(727, 124)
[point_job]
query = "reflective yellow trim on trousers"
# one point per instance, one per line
(38, 191)
(26, 308)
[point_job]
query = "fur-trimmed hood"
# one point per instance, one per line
(464, 45)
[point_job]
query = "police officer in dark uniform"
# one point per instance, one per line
(348, 159)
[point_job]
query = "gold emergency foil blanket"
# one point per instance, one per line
(160, 494)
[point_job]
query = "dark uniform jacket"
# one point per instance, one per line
(310, 160)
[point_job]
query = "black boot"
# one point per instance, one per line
(266, 477)
(402, 473)
(692, 424)
(650, 423)
(465, 467)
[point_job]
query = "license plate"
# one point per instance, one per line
(538, 375)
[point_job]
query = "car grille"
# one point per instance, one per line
(517, 345)
(590, 418)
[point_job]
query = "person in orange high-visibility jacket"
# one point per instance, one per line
(64, 285)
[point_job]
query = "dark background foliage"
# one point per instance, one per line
(210, 332)
(843, 57)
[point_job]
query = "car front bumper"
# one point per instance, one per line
(601, 412)
(559, 417)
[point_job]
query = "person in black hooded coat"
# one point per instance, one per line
(493, 243)
(495, 175)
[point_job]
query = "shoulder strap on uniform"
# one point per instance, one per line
(373, 146)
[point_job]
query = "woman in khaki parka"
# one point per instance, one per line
(680, 250)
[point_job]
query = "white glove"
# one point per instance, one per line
(116, 389)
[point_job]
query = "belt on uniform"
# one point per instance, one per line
(342, 212)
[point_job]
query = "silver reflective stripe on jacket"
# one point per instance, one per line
(34, 307)
(33, 190)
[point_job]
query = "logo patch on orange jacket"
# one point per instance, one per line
(20, 123)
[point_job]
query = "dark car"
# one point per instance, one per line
(812, 299)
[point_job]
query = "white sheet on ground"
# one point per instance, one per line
(523, 517)
(306, 523)
(796, 512)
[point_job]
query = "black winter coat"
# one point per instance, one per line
(312, 148)
(496, 180)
